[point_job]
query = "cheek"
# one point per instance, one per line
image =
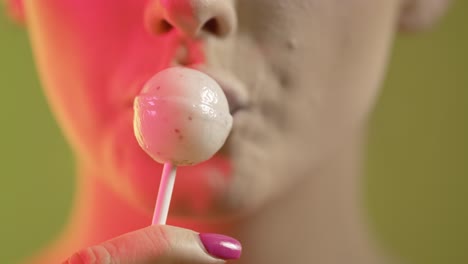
(64, 53)
(81, 49)
(315, 86)
(331, 75)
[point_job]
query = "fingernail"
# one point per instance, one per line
(221, 246)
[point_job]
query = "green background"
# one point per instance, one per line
(417, 184)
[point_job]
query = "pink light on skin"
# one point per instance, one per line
(93, 58)
(185, 13)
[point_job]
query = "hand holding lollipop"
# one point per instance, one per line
(181, 118)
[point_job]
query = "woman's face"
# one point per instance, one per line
(302, 75)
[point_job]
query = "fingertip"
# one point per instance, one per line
(77, 258)
(95, 254)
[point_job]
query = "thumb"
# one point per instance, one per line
(160, 244)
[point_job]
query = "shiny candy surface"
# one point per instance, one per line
(181, 116)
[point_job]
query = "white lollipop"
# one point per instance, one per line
(181, 117)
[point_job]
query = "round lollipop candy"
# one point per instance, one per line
(181, 117)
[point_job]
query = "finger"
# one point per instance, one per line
(161, 245)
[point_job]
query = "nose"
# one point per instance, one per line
(193, 18)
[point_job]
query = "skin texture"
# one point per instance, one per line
(307, 72)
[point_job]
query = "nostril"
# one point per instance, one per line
(155, 24)
(191, 18)
(164, 26)
(212, 26)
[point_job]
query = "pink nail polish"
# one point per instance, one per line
(221, 246)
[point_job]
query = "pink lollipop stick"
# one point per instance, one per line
(164, 194)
